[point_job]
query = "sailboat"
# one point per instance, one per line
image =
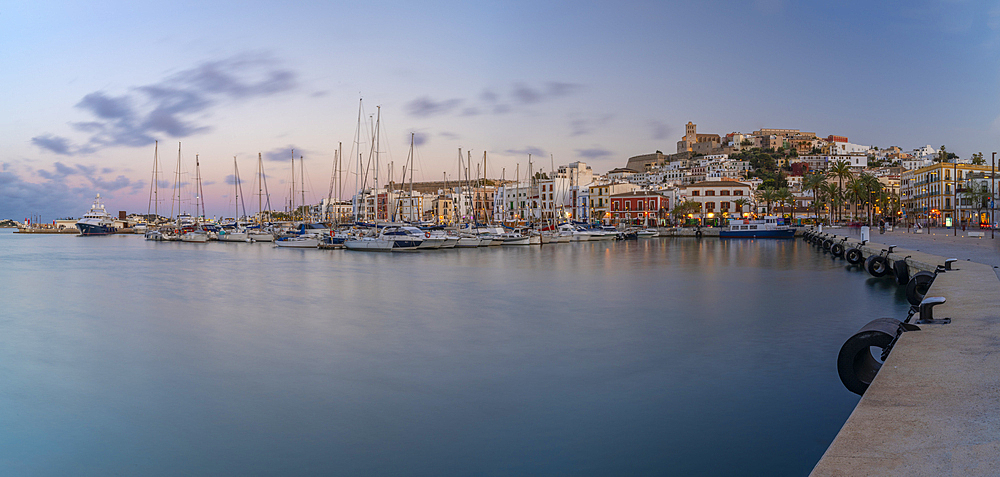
(260, 232)
(236, 233)
(152, 233)
(382, 240)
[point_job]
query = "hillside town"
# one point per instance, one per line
(710, 178)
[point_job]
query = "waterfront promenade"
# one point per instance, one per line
(934, 407)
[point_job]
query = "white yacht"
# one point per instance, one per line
(96, 222)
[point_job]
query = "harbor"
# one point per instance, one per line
(475, 361)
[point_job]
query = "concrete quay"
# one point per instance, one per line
(934, 407)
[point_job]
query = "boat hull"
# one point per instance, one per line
(770, 234)
(298, 243)
(369, 245)
(88, 230)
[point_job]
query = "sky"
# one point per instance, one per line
(94, 90)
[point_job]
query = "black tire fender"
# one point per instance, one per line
(855, 364)
(837, 250)
(854, 256)
(901, 271)
(877, 265)
(827, 244)
(918, 286)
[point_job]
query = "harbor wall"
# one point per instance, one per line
(934, 407)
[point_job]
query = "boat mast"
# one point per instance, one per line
(154, 187)
(468, 184)
(199, 199)
(175, 194)
(302, 184)
(378, 120)
(291, 198)
(489, 218)
(409, 216)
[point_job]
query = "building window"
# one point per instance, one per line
(710, 192)
(709, 206)
(695, 193)
(724, 192)
(737, 192)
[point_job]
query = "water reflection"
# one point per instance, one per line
(586, 358)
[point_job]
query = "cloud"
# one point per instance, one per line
(594, 153)
(658, 130)
(584, 126)
(174, 106)
(56, 144)
(283, 153)
(527, 95)
(119, 182)
(525, 151)
(488, 96)
(419, 138)
(425, 106)
(521, 94)
(449, 135)
(20, 199)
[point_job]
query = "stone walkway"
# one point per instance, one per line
(937, 241)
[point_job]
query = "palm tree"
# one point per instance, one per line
(873, 188)
(785, 197)
(814, 183)
(739, 203)
(767, 196)
(841, 170)
(855, 194)
(833, 196)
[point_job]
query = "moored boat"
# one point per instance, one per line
(97, 221)
(770, 227)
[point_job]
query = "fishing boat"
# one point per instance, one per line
(96, 222)
(647, 233)
(769, 227)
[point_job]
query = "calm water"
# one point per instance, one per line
(663, 356)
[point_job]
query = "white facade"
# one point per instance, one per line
(841, 148)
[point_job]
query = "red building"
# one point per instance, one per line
(643, 208)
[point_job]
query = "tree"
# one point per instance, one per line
(768, 196)
(873, 188)
(832, 194)
(855, 194)
(814, 183)
(945, 156)
(978, 194)
(739, 203)
(785, 197)
(682, 210)
(977, 159)
(841, 170)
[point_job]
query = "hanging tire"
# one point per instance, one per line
(837, 250)
(877, 265)
(901, 271)
(917, 287)
(855, 363)
(854, 256)
(827, 244)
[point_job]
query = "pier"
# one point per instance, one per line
(932, 408)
